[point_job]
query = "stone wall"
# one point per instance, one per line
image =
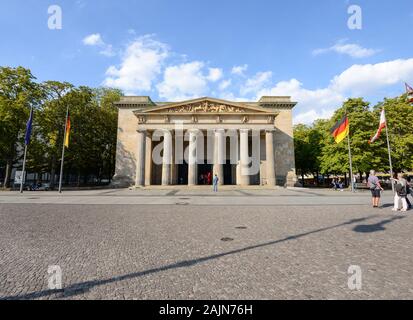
(127, 148)
(284, 150)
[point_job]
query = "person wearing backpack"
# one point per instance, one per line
(400, 186)
(409, 191)
(375, 187)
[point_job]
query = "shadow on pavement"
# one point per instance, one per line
(370, 228)
(81, 288)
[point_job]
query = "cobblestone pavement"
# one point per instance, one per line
(280, 249)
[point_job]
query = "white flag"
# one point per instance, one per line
(381, 127)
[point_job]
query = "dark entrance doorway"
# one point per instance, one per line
(228, 173)
(183, 174)
(204, 170)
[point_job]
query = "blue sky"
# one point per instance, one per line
(240, 50)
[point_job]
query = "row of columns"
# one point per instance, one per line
(144, 158)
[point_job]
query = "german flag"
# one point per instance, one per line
(341, 130)
(67, 133)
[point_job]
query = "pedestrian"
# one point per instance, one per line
(209, 178)
(334, 184)
(400, 186)
(375, 187)
(201, 179)
(354, 183)
(215, 182)
(340, 185)
(409, 191)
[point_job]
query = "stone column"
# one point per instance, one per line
(219, 154)
(167, 158)
(148, 160)
(244, 158)
(192, 159)
(269, 143)
(140, 159)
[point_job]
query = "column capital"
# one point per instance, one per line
(244, 130)
(270, 130)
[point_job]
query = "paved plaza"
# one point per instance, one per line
(166, 243)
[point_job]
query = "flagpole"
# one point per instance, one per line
(25, 157)
(350, 158)
(351, 163)
(390, 160)
(24, 169)
(63, 152)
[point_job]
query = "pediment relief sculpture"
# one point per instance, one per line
(206, 107)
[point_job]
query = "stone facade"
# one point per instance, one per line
(243, 143)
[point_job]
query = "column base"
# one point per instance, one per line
(292, 180)
(271, 182)
(122, 182)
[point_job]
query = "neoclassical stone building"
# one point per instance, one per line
(175, 143)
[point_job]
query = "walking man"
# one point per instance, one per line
(375, 187)
(215, 182)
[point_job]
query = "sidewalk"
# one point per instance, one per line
(199, 195)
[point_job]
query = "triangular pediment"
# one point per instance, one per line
(206, 105)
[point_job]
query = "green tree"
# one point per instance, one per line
(18, 93)
(50, 120)
(334, 158)
(399, 114)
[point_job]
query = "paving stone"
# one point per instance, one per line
(151, 251)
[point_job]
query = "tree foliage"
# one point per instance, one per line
(316, 150)
(93, 117)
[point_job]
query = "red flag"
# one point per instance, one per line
(382, 125)
(409, 91)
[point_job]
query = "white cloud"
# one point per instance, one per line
(141, 64)
(358, 80)
(311, 115)
(184, 81)
(144, 62)
(256, 83)
(108, 51)
(313, 104)
(239, 70)
(351, 49)
(215, 74)
(231, 97)
(93, 40)
(364, 79)
(225, 84)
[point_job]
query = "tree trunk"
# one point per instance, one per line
(7, 176)
(53, 173)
